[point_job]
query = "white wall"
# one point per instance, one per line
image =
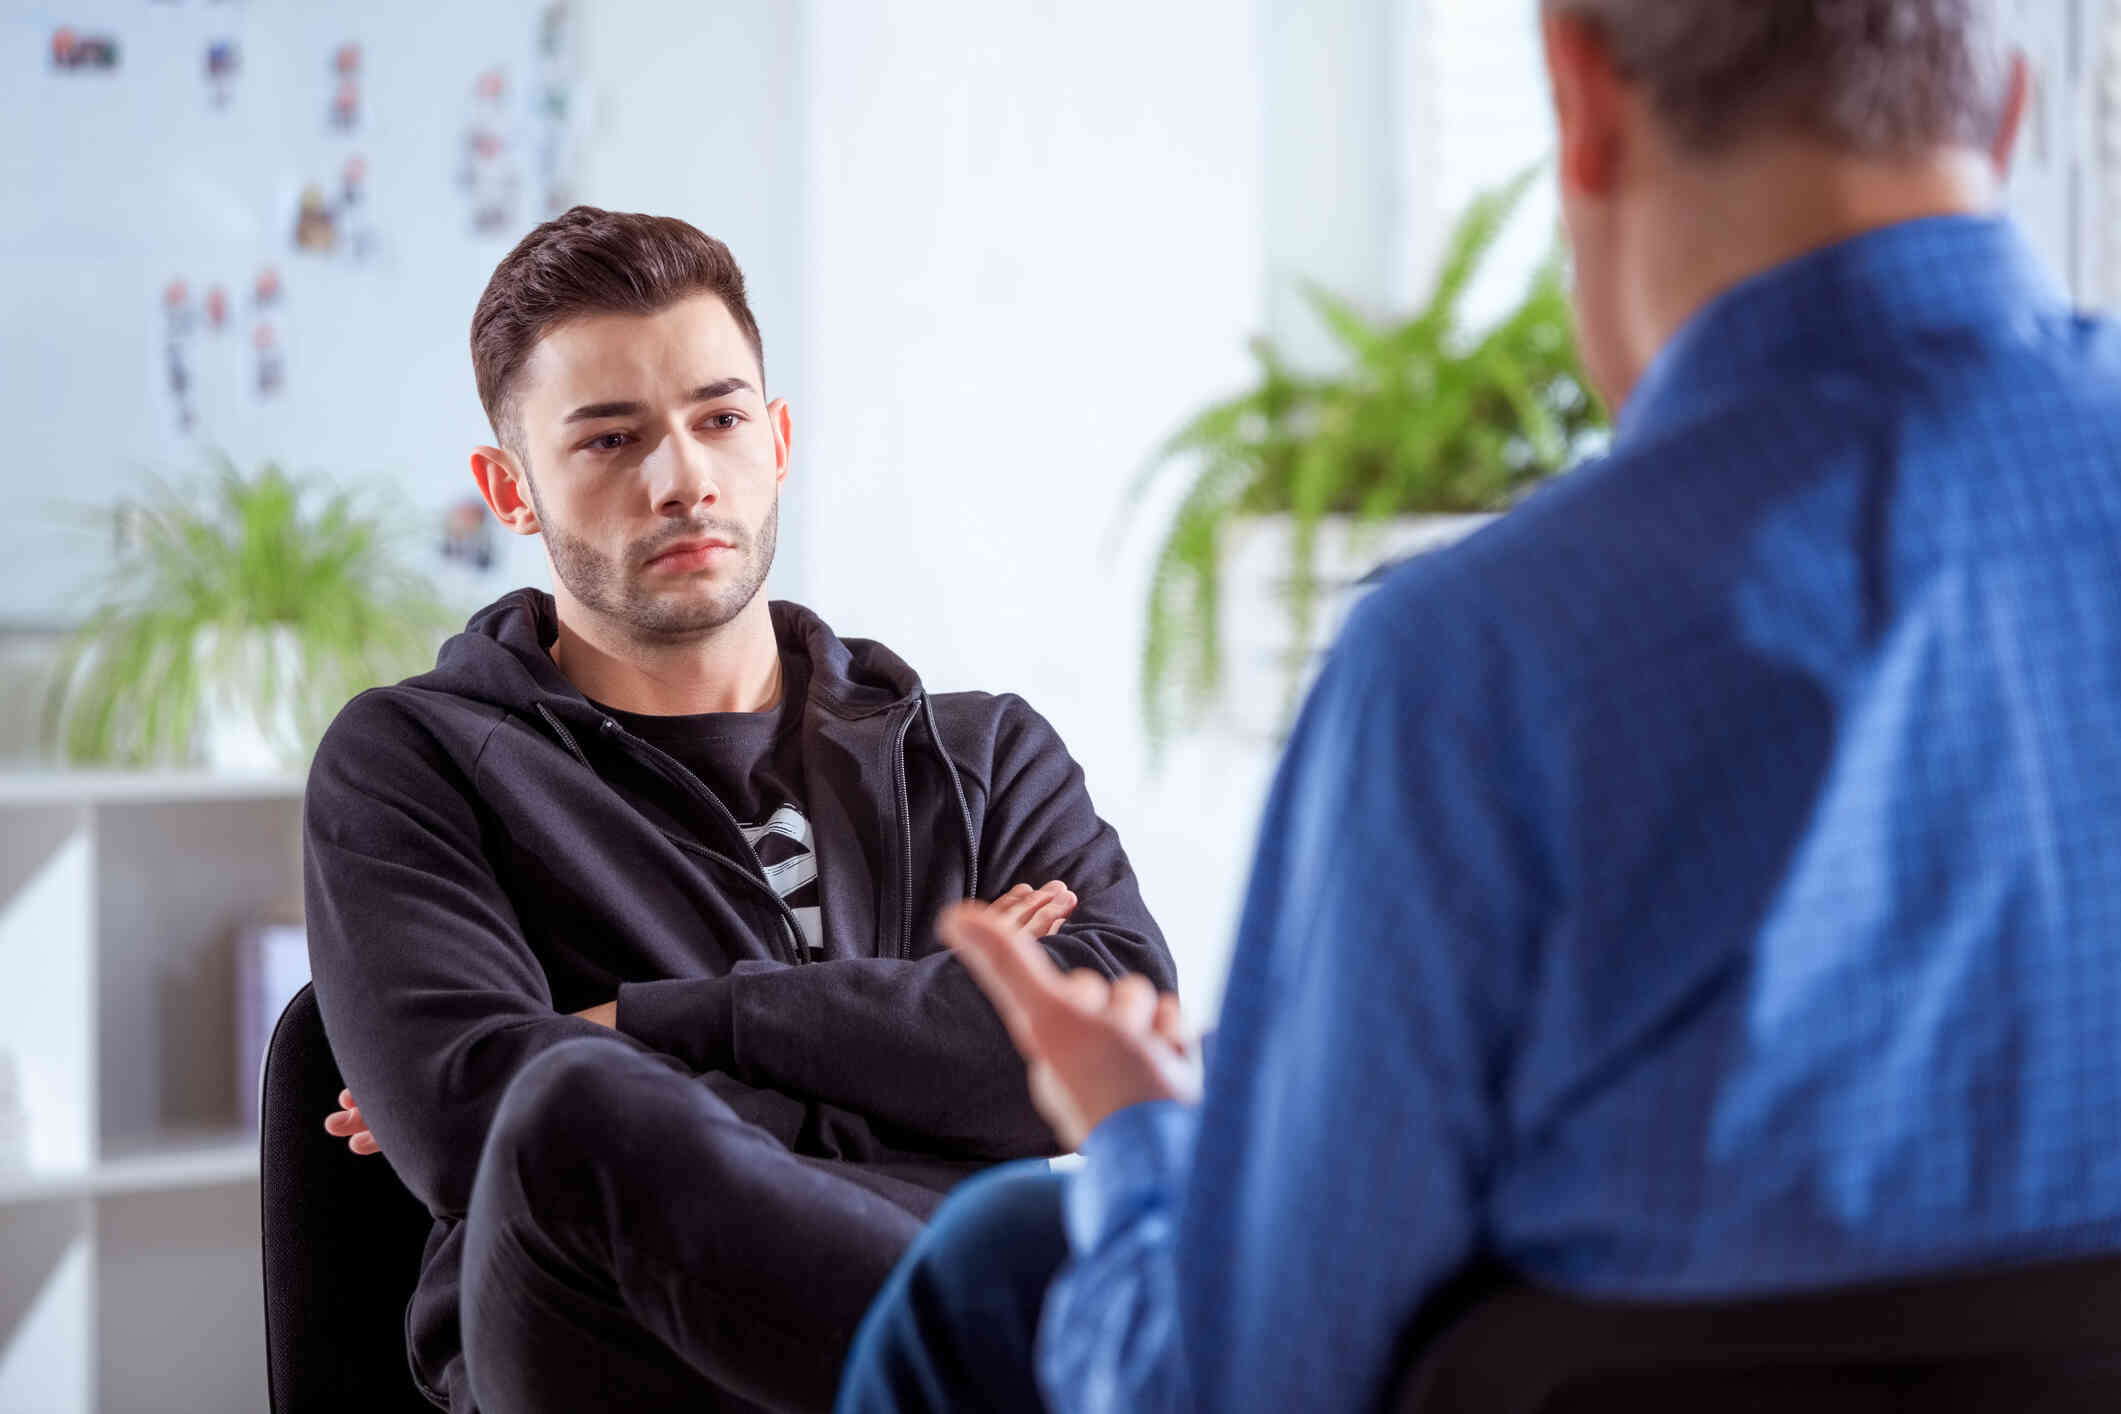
(1032, 245)
(1333, 214)
(2059, 189)
(1472, 112)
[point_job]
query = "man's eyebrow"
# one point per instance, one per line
(589, 412)
(719, 388)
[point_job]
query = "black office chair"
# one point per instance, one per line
(342, 1242)
(2032, 1340)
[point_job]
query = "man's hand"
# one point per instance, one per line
(1039, 911)
(347, 1124)
(1094, 1047)
(603, 1014)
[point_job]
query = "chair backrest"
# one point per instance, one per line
(2031, 1340)
(342, 1239)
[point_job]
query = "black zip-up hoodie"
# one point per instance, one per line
(486, 852)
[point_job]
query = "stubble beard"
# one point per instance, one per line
(612, 586)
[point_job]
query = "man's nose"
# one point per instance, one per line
(682, 477)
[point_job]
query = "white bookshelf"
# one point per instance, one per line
(129, 1258)
(181, 1161)
(29, 788)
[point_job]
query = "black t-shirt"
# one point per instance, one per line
(754, 762)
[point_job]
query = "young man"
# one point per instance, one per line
(1704, 881)
(621, 917)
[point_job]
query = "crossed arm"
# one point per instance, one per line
(1036, 913)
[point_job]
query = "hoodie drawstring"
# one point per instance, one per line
(926, 712)
(957, 788)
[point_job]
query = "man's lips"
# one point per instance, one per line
(689, 555)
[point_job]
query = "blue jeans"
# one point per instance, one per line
(953, 1327)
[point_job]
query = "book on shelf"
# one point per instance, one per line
(272, 963)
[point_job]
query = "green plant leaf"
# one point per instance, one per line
(1419, 417)
(217, 565)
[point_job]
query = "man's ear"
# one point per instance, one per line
(506, 487)
(783, 436)
(1589, 104)
(2017, 93)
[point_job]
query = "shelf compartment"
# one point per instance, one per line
(171, 1163)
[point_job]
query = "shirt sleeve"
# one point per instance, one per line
(1269, 1250)
(1108, 1335)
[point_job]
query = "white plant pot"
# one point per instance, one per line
(247, 721)
(1254, 614)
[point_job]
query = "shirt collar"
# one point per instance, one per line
(1857, 298)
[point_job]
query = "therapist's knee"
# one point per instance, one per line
(1003, 1218)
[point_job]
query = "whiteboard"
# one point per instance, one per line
(121, 181)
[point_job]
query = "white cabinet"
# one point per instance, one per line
(129, 1259)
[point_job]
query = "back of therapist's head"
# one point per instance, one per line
(1884, 78)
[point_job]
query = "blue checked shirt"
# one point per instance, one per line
(1705, 880)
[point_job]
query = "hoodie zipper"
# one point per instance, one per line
(905, 827)
(670, 767)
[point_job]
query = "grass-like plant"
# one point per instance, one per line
(1421, 416)
(278, 595)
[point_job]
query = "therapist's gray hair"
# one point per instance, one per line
(1877, 77)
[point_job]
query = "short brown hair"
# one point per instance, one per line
(591, 261)
(1883, 78)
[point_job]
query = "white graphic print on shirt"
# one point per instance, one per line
(783, 846)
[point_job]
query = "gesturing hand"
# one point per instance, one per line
(1093, 1047)
(346, 1123)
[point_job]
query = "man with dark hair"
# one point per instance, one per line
(1701, 883)
(620, 917)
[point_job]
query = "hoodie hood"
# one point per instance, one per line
(504, 658)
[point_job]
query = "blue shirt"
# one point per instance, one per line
(1705, 880)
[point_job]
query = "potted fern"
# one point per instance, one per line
(1306, 481)
(252, 608)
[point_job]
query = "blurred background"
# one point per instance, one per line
(1122, 340)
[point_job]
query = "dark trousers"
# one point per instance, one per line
(953, 1329)
(632, 1244)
